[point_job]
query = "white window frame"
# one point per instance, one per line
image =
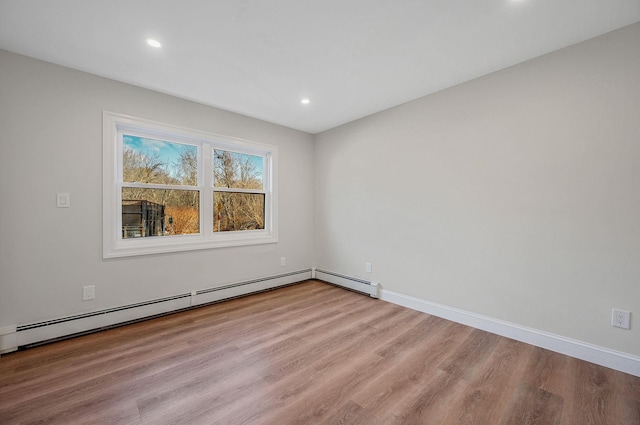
(114, 245)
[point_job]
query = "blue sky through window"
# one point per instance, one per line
(169, 153)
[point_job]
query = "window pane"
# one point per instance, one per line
(159, 162)
(238, 211)
(237, 170)
(158, 212)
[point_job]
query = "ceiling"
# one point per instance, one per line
(350, 58)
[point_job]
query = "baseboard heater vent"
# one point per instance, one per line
(47, 331)
(99, 313)
(353, 283)
(249, 282)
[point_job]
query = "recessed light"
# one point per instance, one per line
(305, 101)
(154, 43)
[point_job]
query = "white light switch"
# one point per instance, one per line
(63, 200)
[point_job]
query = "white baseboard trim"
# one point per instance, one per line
(592, 353)
(40, 332)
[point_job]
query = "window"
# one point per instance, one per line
(170, 189)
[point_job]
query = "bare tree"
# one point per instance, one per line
(181, 207)
(233, 210)
(237, 210)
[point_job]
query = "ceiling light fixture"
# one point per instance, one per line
(154, 43)
(305, 101)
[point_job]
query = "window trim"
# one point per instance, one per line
(115, 246)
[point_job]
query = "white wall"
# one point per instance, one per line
(515, 196)
(51, 141)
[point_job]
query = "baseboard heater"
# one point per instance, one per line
(44, 332)
(370, 288)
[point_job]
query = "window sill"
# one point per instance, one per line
(152, 245)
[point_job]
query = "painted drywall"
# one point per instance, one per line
(515, 196)
(51, 141)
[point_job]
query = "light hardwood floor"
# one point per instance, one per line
(307, 354)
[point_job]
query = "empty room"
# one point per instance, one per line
(297, 212)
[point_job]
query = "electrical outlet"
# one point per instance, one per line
(620, 319)
(88, 292)
(63, 200)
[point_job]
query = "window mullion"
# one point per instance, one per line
(205, 178)
(232, 190)
(158, 186)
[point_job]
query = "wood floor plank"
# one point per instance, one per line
(594, 389)
(324, 394)
(533, 406)
(326, 378)
(627, 389)
(353, 414)
(466, 360)
(409, 371)
(429, 402)
(116, 387)
(309, 353)
(492, 383)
